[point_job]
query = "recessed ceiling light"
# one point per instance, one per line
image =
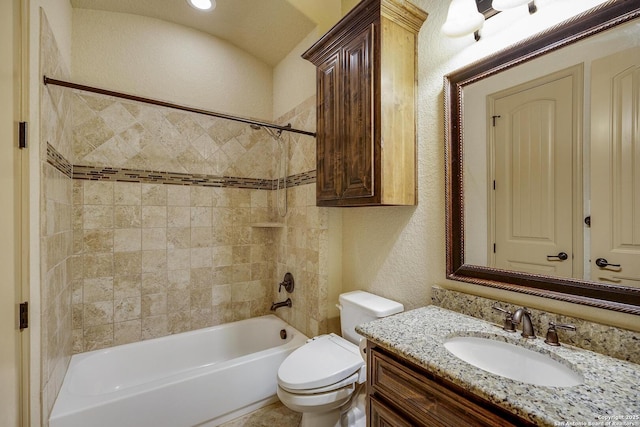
(202, 4)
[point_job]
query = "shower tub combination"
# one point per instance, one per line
(198, 378)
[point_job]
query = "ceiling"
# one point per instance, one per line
(267, 29)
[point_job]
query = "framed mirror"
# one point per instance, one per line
(543, 163)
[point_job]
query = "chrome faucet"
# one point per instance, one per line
(524, 315)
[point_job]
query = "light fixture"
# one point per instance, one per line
(509, 4)
(463, 18)
(202, 4)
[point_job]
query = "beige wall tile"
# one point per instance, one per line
(127, 240)
(154, 238)
(154, 195)
(126, 193)
(96, 290)
(98, 193)
(178, 216)
(178, 238)
(127, 263)
(154, 216)
(153, 261)
(127, 332)
(178, 195)
(96, 216)
(127, 216)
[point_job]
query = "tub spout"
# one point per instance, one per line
(277, 305)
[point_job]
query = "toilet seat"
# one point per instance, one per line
(325, 363)
(351, 379)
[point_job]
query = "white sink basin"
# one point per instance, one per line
(513, 362)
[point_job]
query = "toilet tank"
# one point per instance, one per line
(359, 307)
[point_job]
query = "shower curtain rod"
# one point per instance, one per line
(49, 81)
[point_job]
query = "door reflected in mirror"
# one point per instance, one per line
(558, 149)
(543, 163)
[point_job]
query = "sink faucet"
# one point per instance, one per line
(524, 315)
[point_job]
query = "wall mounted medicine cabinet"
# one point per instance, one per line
(366, 95)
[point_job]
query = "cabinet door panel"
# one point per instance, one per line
(358, 115)
(382, 416)
(328, 181)
(424, 400)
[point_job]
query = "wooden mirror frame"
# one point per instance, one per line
(612, 297)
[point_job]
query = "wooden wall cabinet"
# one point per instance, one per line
(366, 97)
(403, 394)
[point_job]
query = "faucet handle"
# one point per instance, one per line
(508, 319)
(552, 333)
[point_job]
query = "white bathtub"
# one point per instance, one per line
(199, 378)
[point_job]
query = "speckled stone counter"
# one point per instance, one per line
(610, 394)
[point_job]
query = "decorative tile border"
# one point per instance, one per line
(94, 173)
(57, 160)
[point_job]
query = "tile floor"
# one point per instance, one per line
(275, 415)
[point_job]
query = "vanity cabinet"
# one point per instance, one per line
(401, 393)
(366, 95)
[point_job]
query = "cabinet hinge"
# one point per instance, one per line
(494, 248)
(24, 315)
(494, 184)
(22, 135)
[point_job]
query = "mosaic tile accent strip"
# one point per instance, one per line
(175, 178)
(58, 161)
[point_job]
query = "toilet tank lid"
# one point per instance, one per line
(372, 304)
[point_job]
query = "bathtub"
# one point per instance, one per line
(198, 378)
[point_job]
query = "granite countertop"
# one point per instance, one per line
(610, 392)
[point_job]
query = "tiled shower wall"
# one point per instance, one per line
(56, 234)
(303, 242)
(152, 259)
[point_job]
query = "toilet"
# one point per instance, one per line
(324, 379)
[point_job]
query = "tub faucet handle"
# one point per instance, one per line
(287, 282)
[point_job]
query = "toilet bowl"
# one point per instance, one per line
(324, 378)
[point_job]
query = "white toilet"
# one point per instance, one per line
(322, 378)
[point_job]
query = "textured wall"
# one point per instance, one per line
(157, 59)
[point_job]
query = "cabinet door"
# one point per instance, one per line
(382, 416)
(358, 114)
(328, 179)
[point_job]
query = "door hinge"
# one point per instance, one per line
(494, 184)
(23, 135)
(494, 248)
(24, 315)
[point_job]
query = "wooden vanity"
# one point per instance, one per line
(401, 393)
(413, 380)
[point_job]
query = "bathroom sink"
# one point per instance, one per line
(513, 362)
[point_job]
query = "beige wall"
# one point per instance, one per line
(294, 78)
(157, 59)
(400, 252)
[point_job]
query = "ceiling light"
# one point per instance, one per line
(202, 4)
